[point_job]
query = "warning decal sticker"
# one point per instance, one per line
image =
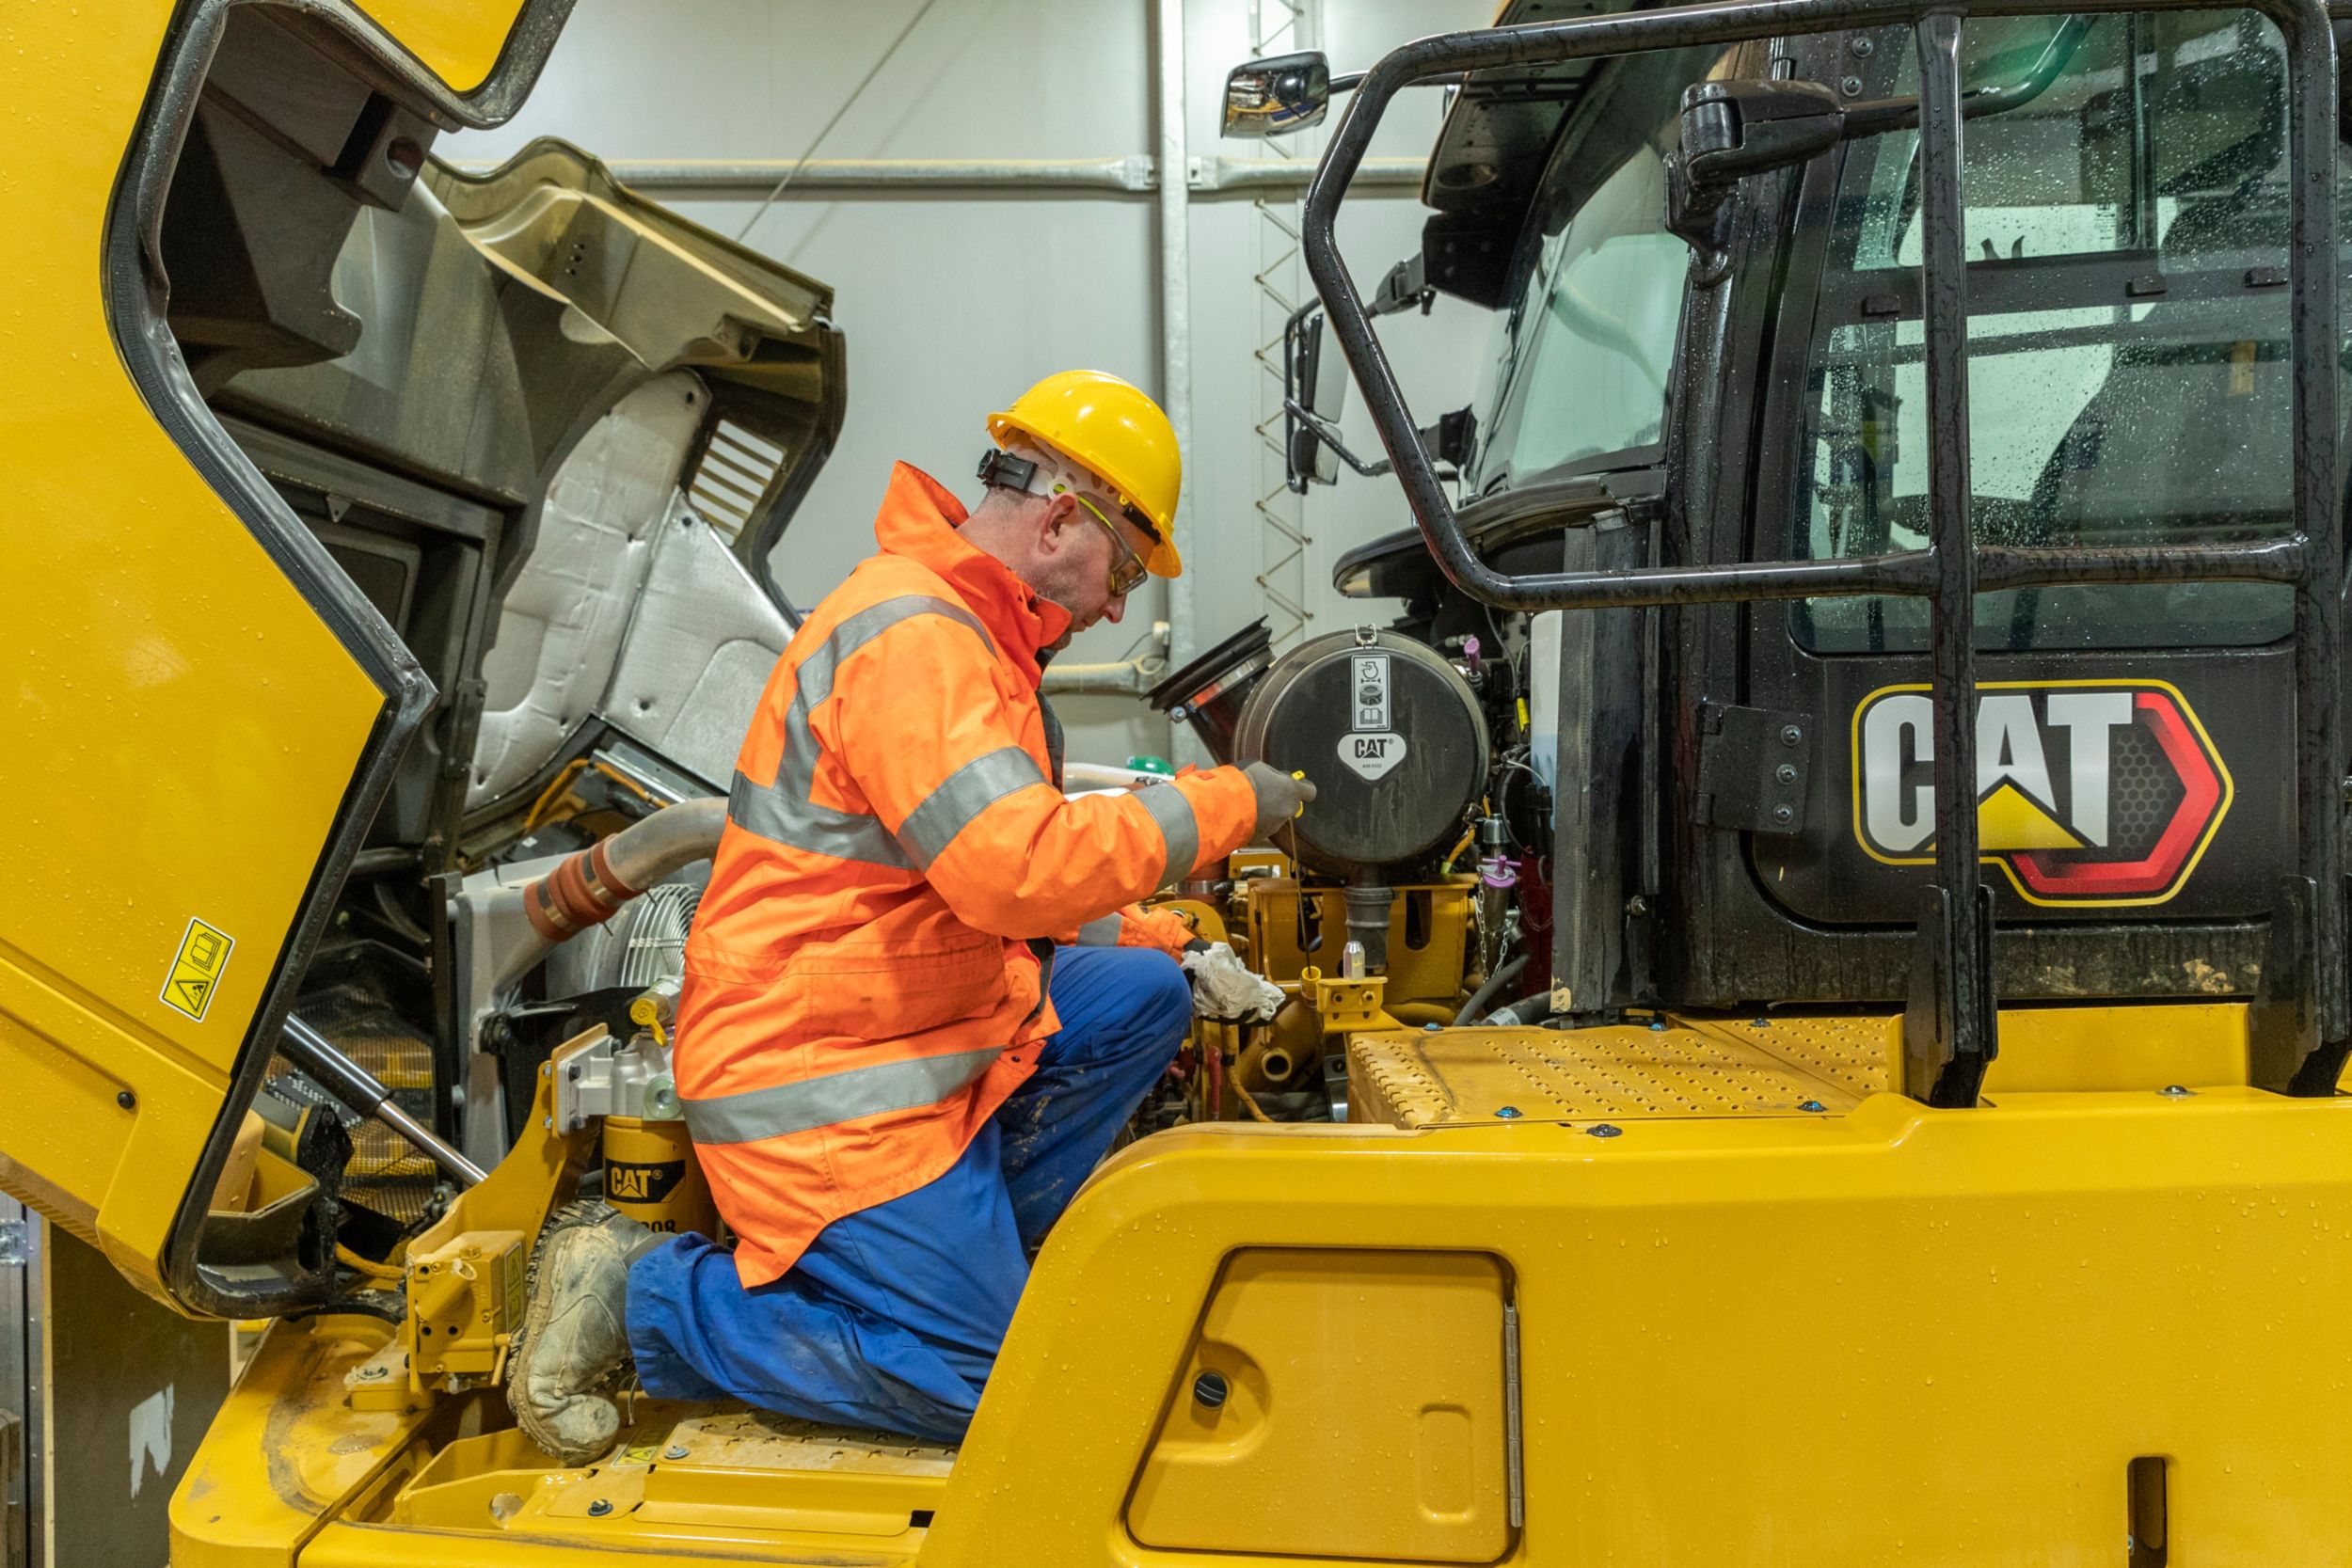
(2089, 792)
(195, 970)
(1372, 693)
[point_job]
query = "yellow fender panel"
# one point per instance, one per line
(287, 1447)
(1891, 1334)
(1894, 1334)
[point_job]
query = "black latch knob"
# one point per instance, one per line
(1208, 1390)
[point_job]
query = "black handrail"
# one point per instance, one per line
(1901, 113)
(2303, 1019)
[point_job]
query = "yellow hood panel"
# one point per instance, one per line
(178, 726)
(458, 40)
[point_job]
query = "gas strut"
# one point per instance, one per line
(348, 1082)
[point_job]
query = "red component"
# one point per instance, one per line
(1534, 927)
(2200, 796)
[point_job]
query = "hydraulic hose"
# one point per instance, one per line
(1488, 993)
(1518, 1015)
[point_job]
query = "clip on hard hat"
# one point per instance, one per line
(999, 466)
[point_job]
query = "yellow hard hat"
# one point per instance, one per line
(1109, 427)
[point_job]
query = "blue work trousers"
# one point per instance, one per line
(893, 1316)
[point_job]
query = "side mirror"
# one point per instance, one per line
(1316, 383)
(1733, 129)
(1276, 96)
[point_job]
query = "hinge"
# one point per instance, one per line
(461, 721)
(1514, 1439)
(1753, 765)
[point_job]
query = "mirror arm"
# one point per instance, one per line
(1406, 286)
(1355, 79)
(1325, 432)
(1328, 434)
(1734, 129)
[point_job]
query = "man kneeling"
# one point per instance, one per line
(918, 1004)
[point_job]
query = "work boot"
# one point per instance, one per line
(572, 1343)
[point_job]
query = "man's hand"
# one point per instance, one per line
(1225, 988)
(1279, 796)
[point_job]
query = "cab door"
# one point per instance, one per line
(2129, 385)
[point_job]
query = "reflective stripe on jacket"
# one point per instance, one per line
(866, 981)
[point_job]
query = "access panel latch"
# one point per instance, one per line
(1753, 766)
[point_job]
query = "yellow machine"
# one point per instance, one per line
(1597, 1196)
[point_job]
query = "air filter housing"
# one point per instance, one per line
(1393, 738)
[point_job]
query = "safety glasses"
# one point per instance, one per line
(1127, 568)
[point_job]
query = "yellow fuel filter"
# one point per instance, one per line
(651, 1175)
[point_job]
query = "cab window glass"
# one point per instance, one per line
(2128, 378)
(1581, 359)
(1587, 366)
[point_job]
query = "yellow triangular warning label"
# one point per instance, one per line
(197, 968)
(2006, 819)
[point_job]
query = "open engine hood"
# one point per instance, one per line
(222, 685)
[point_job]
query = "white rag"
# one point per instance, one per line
(1226, 989)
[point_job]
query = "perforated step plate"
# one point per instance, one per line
(1683, 1069)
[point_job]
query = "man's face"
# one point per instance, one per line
(1076, 557)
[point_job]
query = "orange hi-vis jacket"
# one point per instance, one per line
(866, 981)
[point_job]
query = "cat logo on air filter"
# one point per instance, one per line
(2098, 793)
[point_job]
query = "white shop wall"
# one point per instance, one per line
(954, 301)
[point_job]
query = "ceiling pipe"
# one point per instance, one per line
(831, 179)
(1250, 176)
(824, 177)
(1128, 679)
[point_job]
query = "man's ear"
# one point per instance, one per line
(1053, 529)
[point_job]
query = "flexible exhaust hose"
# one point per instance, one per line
(590, 888)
